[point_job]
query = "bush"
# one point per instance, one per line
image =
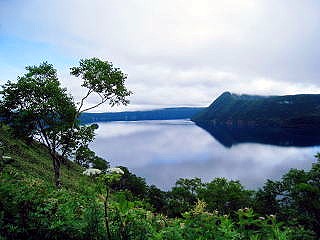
(32, 209)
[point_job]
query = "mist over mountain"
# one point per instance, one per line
(231, 109)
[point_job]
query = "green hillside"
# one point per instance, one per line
(31, 159)
(248, 110)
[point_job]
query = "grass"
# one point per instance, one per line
(33, 160)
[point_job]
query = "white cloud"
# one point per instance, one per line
(181, 52)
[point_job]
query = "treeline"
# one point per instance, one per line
(295, 199)
(157, 114)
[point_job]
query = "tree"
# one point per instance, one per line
(157, 198)
(86, 158)
(129, 181)
(294, 199)
(183, 196)
(37, 107)
(102, 79)
(225, 196)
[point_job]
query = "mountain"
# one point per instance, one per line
(157, 114)
(296, 111)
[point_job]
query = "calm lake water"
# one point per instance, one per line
(163, 151)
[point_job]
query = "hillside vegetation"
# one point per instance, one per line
(32, 159)
(297, 111)
(31, 207)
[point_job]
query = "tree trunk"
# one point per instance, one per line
(56, 168)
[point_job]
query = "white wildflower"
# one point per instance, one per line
(91, 172)
(115, 170)
(261, 218)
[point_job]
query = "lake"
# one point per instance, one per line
(163, 151)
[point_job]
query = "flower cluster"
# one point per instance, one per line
(91, 172)
(115, 170)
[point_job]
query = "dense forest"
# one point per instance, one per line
(52, 186)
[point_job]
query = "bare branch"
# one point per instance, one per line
(82, 101)
(87, 109)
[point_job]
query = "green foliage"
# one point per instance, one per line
(38, 108)
(100, 163)
(225, 196)
(295, 199)
(157, 198)
(86, 158)
(219, 194)
(129, 181)
(130, 219)
(93, 218)
(33, 160)
(37, 105)
(200, 224)
(102, 78)
(32, 208)
(183, 196)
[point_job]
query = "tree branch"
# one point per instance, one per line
(103, 101)
(82, 101)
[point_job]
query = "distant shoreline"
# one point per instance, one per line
(157, 114)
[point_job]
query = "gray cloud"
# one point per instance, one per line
(182, 52)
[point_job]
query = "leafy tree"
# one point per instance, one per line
(86, 158)
(129, 181)
(266, 199)
(300, 196)
(183, 195)
(156, 198)
(102, 79)
(225, 196)
(294, 199)
(100, 163)
(37, 107)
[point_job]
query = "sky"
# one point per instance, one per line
(175, 52)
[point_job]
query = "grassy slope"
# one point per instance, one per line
(33, 160)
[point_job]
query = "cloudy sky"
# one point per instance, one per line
(175, 52)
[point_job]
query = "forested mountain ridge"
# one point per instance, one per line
(157, 114)
(301, 110)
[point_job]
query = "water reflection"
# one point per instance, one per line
(163, 151)
(229, 136)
